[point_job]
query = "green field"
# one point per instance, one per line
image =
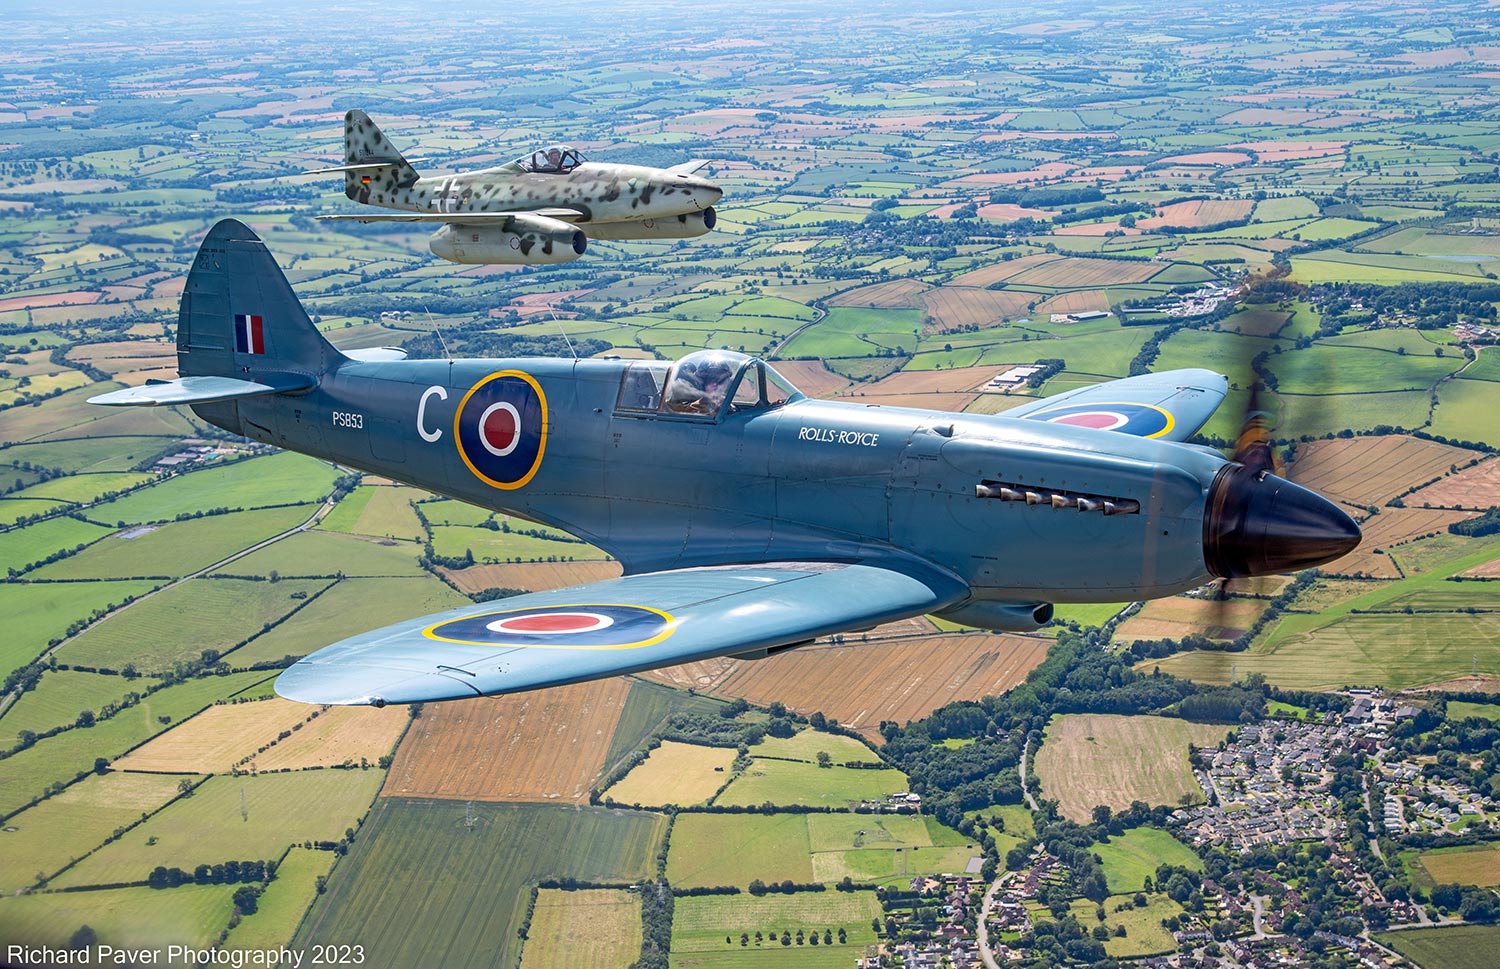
(447, 867)
(178, 548)
(23, 547)
(316, 553)
(598, 927)
(805, 745)
(66, 827)
(886, 849)
(250, 817)
(1462, 865)
(283, 478)
(735, 849)
(38, 613)
(60, 759)
(284, 902)
(646, 708)
(379, 511)
(787, 782)
(180, 622)
(123, 917)
(1144, 934)
(1336, 646)
(700, 925)
(1459, 947)
(349, 607)
(60, 696)
(1462, 710)
(1130, 858)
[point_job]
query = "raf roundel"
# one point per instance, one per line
(588, 626)
(1129, 417)
(501, 429)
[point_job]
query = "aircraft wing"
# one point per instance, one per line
(456, 218)
(1171, 405)
(607, 628)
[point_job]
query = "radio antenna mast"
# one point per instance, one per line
(439, 332)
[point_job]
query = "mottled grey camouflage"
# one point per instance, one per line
(599, 193)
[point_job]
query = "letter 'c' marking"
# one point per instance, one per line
(440, 394)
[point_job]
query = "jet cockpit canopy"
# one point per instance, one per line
(552, 160)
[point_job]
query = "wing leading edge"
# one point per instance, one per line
(607, 628)
(1171, 405)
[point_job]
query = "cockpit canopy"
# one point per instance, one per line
(552, 160)
(700, 385)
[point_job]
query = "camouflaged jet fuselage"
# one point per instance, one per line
(541, 208)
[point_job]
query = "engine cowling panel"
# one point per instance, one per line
(684, 226)
(522, 240)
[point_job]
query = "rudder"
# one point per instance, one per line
(239, 316)
(366, 144)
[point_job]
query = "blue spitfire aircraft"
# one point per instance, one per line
(749, 518)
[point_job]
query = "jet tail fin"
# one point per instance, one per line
(373, 168)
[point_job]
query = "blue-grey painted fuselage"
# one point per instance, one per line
(748, 518)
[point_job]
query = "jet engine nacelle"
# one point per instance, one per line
(684, 226)
(524, 240)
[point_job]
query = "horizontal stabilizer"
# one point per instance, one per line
(376, 354)
(690, 167)
(198, 390)
(455, 218)
(607, 628)
(1170, 406)
(361, 167)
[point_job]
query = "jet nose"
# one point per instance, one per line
(1258, 524)
(704, 192)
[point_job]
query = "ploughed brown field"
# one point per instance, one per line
(543, 746)
(989, 275)
(1390, 528)
(898, 294)
(1079, 301)
(1198, 212)
(1078, 272)
(957, 380)
(1477, 487)
(860, 684)
(1179, 616)
(1373, 470)
(811, 377)
(952, 307)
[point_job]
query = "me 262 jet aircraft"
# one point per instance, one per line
(539, 209)
(749, 519)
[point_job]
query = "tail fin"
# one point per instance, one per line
(239, 317)
(365, 144)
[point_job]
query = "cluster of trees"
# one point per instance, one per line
(1486, 524)
(1432, 304)
(1076, 677)
(224, 873)
(656, 925)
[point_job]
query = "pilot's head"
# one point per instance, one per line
(713, 375)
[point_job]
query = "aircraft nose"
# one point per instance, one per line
(704, 192)
(1258, 524)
